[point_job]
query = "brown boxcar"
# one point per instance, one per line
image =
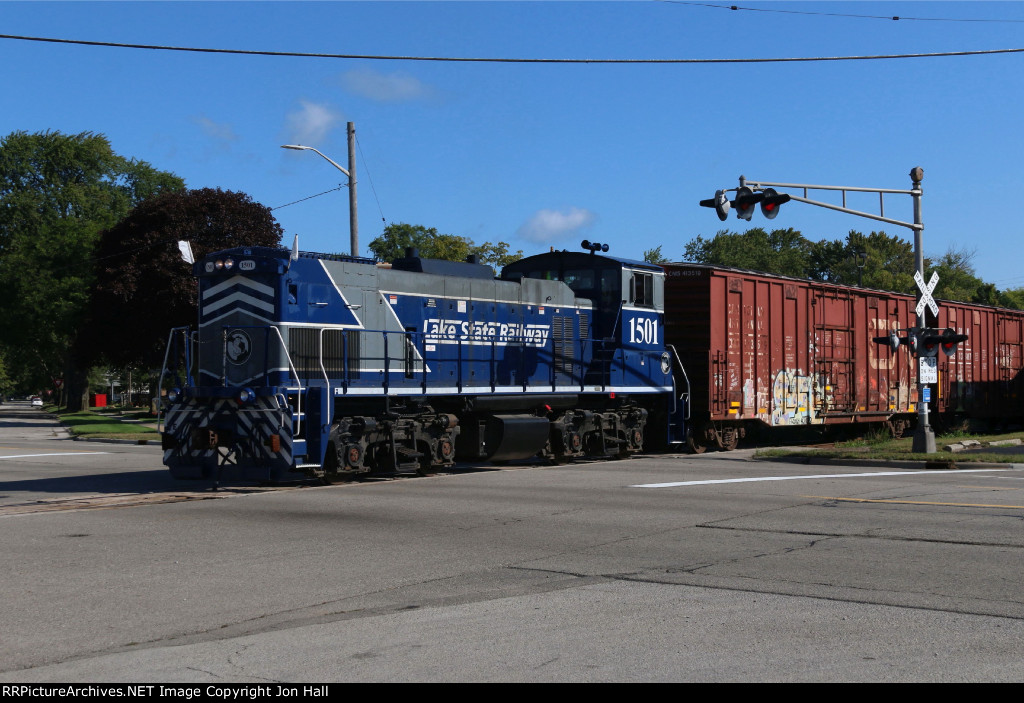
(984, 379)
(774, 351)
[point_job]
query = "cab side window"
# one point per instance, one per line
(641, 290)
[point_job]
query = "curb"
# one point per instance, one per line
(105, 440)
(929, 465)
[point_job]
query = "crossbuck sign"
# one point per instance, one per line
(926, 293)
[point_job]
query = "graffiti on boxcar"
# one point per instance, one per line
(792, 398)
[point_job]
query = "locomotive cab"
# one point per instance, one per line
(627, 332)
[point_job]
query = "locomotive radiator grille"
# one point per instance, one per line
(564, 346)
(340, 350)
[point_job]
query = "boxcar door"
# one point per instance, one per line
(833, 383)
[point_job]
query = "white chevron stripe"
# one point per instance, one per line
(236, 297)
(238, 280)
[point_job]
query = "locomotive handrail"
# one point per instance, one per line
(327, 381)
(298, 381)
(675, 355)
(163, 370)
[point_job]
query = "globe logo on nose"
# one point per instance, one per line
(238, 347)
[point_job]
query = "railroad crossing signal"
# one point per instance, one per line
(924, 342)
(746, 198)
(947, 340)
(926, 293)
(771, 202)
(745, 201)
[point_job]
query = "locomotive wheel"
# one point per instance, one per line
(694, 444)
(426, 467)
(330, 466)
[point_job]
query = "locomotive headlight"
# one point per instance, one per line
(219, 265)
(229, 263)
(174, 395)
(246, 395)
(666, 363)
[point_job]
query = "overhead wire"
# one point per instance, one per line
(837, 14)
(359, 145)
(480, 59)
(310, 197)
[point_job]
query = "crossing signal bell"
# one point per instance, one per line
(721, 204)
(893, 340)
(912, 341)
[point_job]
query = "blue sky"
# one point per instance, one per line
(542, 155)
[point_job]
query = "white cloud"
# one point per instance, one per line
(221, 131)
(547, 225)
(311, 123)
(385, 87)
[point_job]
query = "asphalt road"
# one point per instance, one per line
(668, 568)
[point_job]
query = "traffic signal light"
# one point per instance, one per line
(772, 201)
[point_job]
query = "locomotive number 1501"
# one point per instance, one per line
(643, 330)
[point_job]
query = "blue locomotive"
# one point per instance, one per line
(313, 365)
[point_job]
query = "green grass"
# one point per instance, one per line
(878, 446)
(108, 425)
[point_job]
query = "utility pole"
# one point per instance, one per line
(353, 220)
(924, 436)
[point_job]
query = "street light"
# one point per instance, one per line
(353, 222)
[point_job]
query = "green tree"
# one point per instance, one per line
(654, 256)
(1013, 298)
(781, 251)
(57, 193)
(876, 260)
(957, 280)
(6, 384)
(397, 238)
(144, 287)
(497, 255)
